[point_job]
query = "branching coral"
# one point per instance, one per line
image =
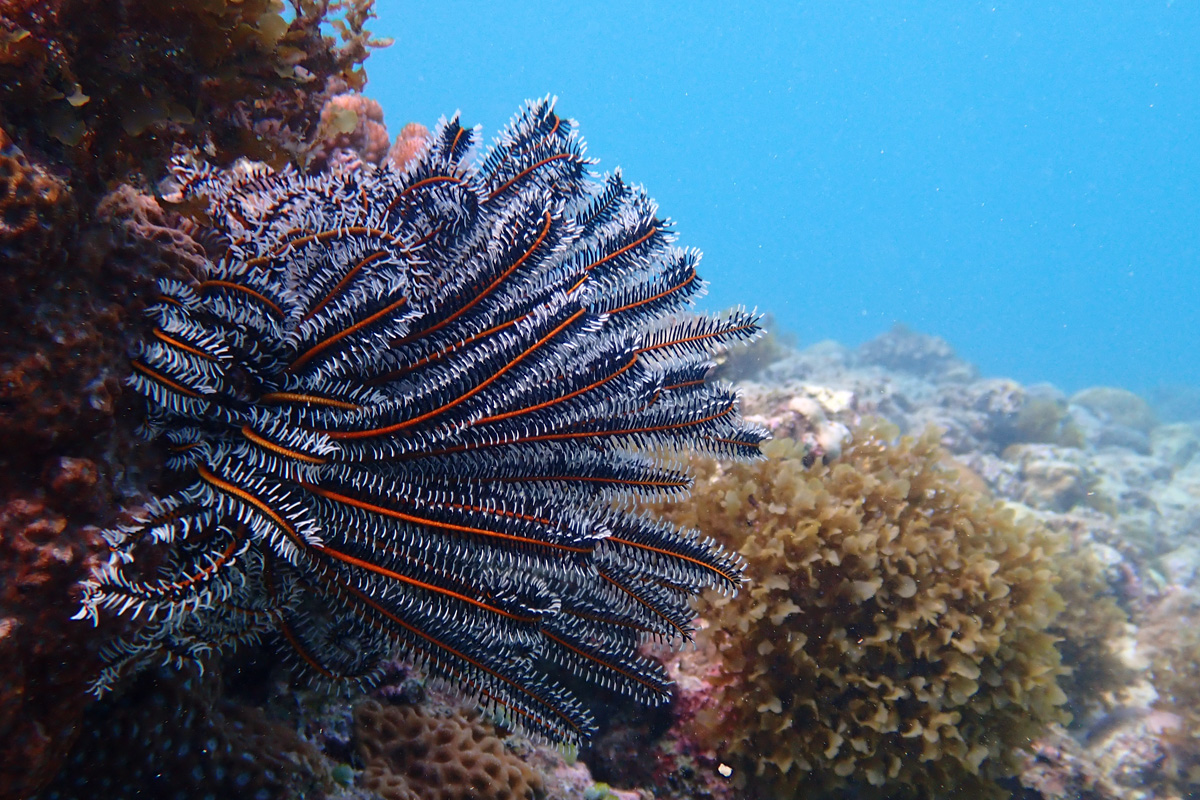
(894, 633)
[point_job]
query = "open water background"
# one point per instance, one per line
(1022, 179)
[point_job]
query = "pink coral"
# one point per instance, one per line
(351, 125)
(408, 144)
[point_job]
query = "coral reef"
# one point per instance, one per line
(1177, 444)
(1059, 768)
(892, 657)
(1133, 753)
(895, 634)
(72, 322)
(1123, 491)
(409, 753)
(37, 210)
(1110, 418)
(1119, 407)
(1171, 638)
(1176, 403)
(817, 417)
(91, 93)
(746, 361)
(111, 87)
(68, 299)
(1027, 443)
(1093, 628)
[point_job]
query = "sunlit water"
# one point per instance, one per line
(1020, 179)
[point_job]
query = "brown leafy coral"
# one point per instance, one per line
(412, 754)
(894, 633)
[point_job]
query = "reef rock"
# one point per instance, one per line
(905, 350)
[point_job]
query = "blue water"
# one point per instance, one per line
(1022, 179)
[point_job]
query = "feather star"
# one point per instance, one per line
(412, 410)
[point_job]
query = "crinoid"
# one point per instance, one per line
(411, 409)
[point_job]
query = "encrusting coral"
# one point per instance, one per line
(893, 636)
(46, 664)
(33, 204)
(412, 754)
(62, 353)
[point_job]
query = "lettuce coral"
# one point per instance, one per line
(894, 637)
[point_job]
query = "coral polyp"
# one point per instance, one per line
(408, 409)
